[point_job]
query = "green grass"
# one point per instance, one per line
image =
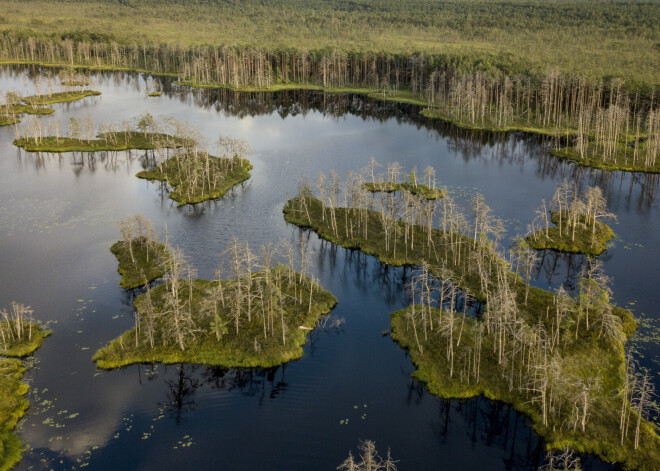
(587, 356)
(74, 83)
(602, 39)
(28, 345)
(374, 243)
(10, 114)
(621, 161)
(419, 189)
(585, 241)
(435, 113)
(183, 193)
(150, 261)
(232, 349)
(13, 405)
(121, 141)
(400, 96)
(61, 97)
(279, 87)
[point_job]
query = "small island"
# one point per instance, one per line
(577, 225)
(15, 105)
(60, 97)
(20, 336)
(396, 180)
(196, 176)
(116, 141)
(478, 327)
(141, 257)
(260, 318)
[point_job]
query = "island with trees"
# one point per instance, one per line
(141, 257)
(20, 336)
(579, 226)
(196, 176)
(477, 327)
(143, 133)
(15, 105)
(258, 318)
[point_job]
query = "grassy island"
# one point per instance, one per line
(197, 177)
(116, 141)
(141, 257)
(578, 226)
(260, 318)
(153, 94)
(389, 187)
(556, 358)
(148, 263)
(61, 97)
(627, 157)
(396, 181)
(579, 236)
(19, 337)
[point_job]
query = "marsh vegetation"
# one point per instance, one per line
(260, 317)
(476, 326)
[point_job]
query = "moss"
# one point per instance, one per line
(10, 114)
(61, 97)
(150, 261)
(435, 113)
(120, 141)
(374, 244)
(584, 357)
(250, 347)
(279, 87)
(587, 356)
(29, 345)
(74, 83)
(621, 161)
(419, 189)
(13, 405)
(224, 173)
(584, 240)
(400, 96)
(153, 94)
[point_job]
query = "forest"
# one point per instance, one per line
(600, 118)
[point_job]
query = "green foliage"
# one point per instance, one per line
(13, 405)
(374, 244)
(61, 97)
(222, 174)
(586, 356)
(418, 189)
(150, 261)
(622, 161)
(33, 336)
(617, 38)
(216, 344)
(584, 241)
(106, 142)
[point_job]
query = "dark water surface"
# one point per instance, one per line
(59, 215)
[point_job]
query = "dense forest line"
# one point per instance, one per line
(594, 39)
(608, 121)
